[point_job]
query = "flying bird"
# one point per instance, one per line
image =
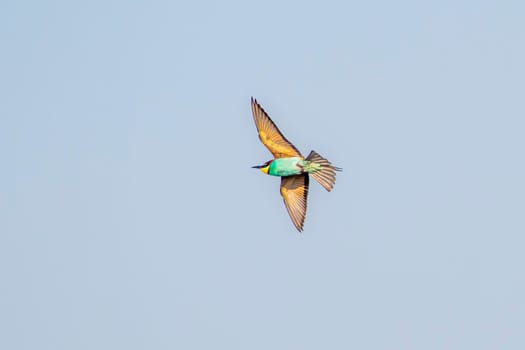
(291, 166)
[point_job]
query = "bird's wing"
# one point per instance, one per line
(270, 135)
(294, 190)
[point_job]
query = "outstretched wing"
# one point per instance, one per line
(270, 135)
(294, 190)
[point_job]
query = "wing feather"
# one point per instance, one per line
(294, 190)
(270, 135)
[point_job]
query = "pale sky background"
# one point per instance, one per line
(130, 217)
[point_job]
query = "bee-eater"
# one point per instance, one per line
(291, 166)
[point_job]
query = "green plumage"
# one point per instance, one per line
(285, 167)
(292, 166)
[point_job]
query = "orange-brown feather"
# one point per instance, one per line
(270, 135)
(294, 190)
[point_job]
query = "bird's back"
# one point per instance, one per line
(285, 166)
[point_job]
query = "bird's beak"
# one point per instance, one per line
(258, 166)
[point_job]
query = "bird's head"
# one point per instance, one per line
(264, 168)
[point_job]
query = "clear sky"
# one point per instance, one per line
(130, 217)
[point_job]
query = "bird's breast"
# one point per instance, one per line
(285, 167)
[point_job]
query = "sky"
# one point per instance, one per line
(130, 216)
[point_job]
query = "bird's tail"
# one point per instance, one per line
(321, 170)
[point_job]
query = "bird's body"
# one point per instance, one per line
(285, 166)
(291, 166)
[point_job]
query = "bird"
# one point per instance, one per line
(291, 166)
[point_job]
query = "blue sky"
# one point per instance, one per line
(130, 217)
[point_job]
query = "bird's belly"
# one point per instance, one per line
(285, 167)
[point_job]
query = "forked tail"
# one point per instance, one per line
(322, 170)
